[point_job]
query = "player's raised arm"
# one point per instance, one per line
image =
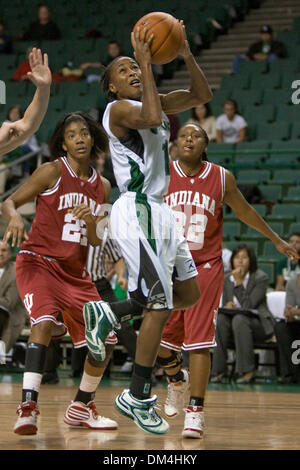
(247, 214)
(13, 134)
(199, 91)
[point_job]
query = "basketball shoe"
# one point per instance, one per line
(142, 412)
(27, 418)
(193, 423)
(79, 414)
(99, 322)
(177, 395)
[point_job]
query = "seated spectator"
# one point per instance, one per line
(267, 49)
(12, 312)
(43, 29)
(244, 318)
(23, 68)
(114, 50)
(15, 113)
(286, 267)
(5, 40)
(287, 331)
(226, 256)
(231, 126)
(202, 116)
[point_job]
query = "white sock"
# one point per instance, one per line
(89, 383)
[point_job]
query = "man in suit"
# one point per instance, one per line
(12, 311)
(244, 318)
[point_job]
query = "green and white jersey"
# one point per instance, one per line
(141, 159)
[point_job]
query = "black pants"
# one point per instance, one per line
(126, 335)
(3, 320)
(286, 333)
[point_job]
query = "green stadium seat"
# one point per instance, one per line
(253, 67)
(247, 97)
(295, 132)
(250, 234)
(268, 80)
(287, 113)
(247, 161)
(290, 144)
(293, 195)
(288, 65)
(231, 230)
(291, 211)
(270, 251)
(268, 130)
(73, 89)
(269, 268)
(81, 103)
(184, 116)
(231, 245)
(282, 161)
(294, 228)
(285, 177)
(278, 227)
(232, 82)
(263, 113)
(271, 96)
(224, 150)
(253, 176)
(271, 192)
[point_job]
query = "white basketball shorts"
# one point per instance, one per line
(152, 248)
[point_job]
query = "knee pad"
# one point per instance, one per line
(174, 360)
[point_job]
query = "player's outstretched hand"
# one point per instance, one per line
(141, 46)
(287, 250)
(185, 50)
(40, 73)
(15, 231)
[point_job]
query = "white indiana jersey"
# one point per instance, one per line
(141, 159)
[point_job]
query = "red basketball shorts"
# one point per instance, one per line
(194, 328)
(46, 290)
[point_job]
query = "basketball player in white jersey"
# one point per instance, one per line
(142, 224)
(12, 134)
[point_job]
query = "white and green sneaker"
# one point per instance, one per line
(142, 412)
(99, 322)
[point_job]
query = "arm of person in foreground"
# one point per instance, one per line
(14, 133)
(247, 214)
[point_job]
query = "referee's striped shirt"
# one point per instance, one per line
(97, 255)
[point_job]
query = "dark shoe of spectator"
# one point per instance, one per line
(50, 378)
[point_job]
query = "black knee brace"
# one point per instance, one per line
(170, 362)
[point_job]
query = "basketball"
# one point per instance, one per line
(167, 36)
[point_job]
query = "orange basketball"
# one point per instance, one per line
(167, 39)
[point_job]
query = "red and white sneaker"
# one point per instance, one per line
(79, 414)
(177, 396)
(27, 418)
(193, 423)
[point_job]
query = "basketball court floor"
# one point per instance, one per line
(244, 417)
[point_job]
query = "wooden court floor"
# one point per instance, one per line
(235, 420)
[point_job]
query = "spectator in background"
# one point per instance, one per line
(23, 170)
(267, 49)
(23, 68)
(286, 267)
(287, 331)
(104, 166)
(202, 116)
(231, 126)
(5, 40)
(114, 50)
(244, 317)
(12, 311)
(43, 29)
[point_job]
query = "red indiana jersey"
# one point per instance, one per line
(56, 233)
(197, 204)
